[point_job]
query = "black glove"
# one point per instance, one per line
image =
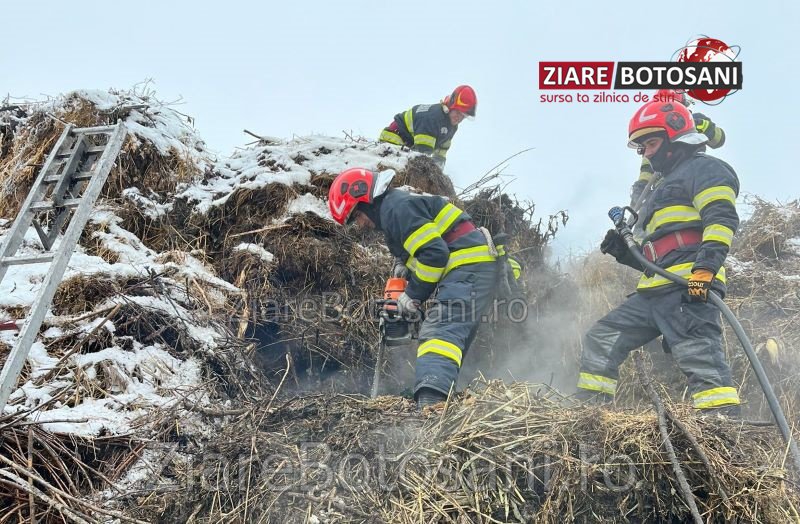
(614, 244)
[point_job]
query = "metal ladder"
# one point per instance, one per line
(62, 198)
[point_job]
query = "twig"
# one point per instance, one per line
(700, 452)
(267, 140)
(488, 175)
(20, 484)
(260, 230)
(31, 500)
(63, 494)
(63, 360)
(647, 383)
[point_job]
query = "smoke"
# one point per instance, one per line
(545, 346)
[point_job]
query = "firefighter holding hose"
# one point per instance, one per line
(686, 225)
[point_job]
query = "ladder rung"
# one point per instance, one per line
(35, 259)
(82, 175)
(93, 149)
(46, 206)
(94, 130)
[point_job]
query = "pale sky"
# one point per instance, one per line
(295, 68)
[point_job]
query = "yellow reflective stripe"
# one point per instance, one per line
(408, 118)
(703, 125)
(470, 255)
(682, 270)
(711, 398)
(445, 218)
(597, 383)
(501, 249)
(392, 138)
(440, 347)
(672, 214)
(420, 237)
(427, 273)
(427, 232)
(718, 233)
(515, 267)
(645, 176)
(424, 140)
(712, 194)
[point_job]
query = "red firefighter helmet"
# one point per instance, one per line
(670, 117)
(462, 99)
(353, 186)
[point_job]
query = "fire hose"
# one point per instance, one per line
(617, 216)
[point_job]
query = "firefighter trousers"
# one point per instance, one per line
(692, 331)
(459, 304)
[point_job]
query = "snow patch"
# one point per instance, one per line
(308, 203)
(257, 250)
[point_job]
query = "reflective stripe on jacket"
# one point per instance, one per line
(700, 193)
(413, 226)
(425, 128)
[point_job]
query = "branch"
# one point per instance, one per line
(647, 384)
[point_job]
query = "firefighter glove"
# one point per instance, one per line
(704, 125)
(614, 245)
(699, 285)
(407, 306)
(399, 270)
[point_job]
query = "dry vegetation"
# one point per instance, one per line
(497, 453)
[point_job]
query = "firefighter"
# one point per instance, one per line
(687, 226)
(703, 124)
(429, 128)
(448, 259)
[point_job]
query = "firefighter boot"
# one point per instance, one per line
(428, 397)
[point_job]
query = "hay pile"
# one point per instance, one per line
(208, 293)
(497, 454)
(161, 151)
(765, 296)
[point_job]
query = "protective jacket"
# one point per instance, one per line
(425, 128)
(699, 193)
(458, 275)
(414, 226)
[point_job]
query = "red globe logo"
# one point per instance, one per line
(706, 49)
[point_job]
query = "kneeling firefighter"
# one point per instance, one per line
(686, 226)
(447, 259)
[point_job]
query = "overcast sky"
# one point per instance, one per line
(295, 68)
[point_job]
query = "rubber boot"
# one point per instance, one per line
(733, 411)
(429, 397)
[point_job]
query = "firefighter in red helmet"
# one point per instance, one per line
(703, 124)
(686, 227)
(429, 128)
(448, 260)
